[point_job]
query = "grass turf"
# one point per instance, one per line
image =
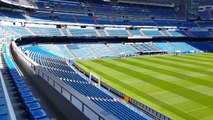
(180, 87)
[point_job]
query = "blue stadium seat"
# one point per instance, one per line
(38, 115)
(33, 106)
(28, 100)
(83, 86)
(24, 92)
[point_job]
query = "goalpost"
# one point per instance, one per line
(90, 79)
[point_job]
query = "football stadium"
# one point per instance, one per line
(106, 60)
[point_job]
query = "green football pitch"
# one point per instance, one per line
(180, 87)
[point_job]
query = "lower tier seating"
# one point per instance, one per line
(118, 109)
(204, 46)
(173, 47)
(85, 88)
(146, 47)
(30, 103)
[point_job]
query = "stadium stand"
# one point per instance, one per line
(205, 11)
(93, 51)
(59, 50)
(102, 33)
(204, 46)
(32, 107)
(151, 33)
(122, 49)
(41, 17)
(19, 30)
(177, 33)
(45, 31)
(146, 47)
(64, 18)
(84, 19)
(12, 15)
(181, 47)
(77, 50)
(135, 32)
(200, 33)
(94, 30)
(65, 73)
(103, 50)
(4, 115)
(121, 33)
(82, 32)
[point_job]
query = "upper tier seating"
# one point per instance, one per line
(118, 22)
(135, 32)
(162, 23)
(177, 33)
(151, 33)
(68, 18)
(205, 24)
(74, 31)
(165, 33)
(200, 33)
(64, 30)
(149, 23)
(120, 33)
(206, 14)
(119, 10)
(206, 2)
(11, 15)
(136, 23)
(82, 32)
(20, 30)
(102, 33)
(41, 17)
(103, 22)
(45, 16)
(84, 19)
(44, 31)
(189, 24)
(62, 5)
